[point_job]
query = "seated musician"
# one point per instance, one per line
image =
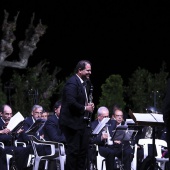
(116, 148)
(36, 112)
(21, 153)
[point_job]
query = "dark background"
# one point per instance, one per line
(116, 36)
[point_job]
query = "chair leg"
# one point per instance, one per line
(62, 162)
(36, 164)
(103, 166)
(8, 157)
(46, 165)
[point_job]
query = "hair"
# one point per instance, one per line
(3, 106)
(116, 106)
(100, 110)
(36, 107)
(116, 110)
(81, 65)
(57, 104)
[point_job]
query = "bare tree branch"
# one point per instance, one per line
(27, 47)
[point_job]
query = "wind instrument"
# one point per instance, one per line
(90, 101)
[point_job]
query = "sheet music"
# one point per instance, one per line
(124, 135)
(15, 120)
(129, 121)
(149, 117)
(100, 126)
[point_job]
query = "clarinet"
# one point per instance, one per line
(90, 101)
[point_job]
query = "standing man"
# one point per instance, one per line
(73, 108)
(166, 117)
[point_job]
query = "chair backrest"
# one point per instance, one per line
(8, 156)
(57, 152)
(54, 146)
(100, 160)
(158, 143)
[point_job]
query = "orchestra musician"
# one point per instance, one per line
(21, 153)
(107, 148)
(72, 122)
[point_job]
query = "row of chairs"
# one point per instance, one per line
(57, 153)
(160, 161)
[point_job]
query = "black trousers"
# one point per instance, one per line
(20, 156)
(77, 142)
(124, 153)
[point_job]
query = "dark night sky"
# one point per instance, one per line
(116, 36)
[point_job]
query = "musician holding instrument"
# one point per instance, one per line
(74, 119)
(6, 136)
(108, 148)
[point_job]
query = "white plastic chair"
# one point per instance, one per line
(101, 164)
(100, 160)
(134, 161)
(30, 161)
(159, 144)
(8, 156)
(57, 152)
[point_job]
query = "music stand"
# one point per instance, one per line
(155, 120)
(123, 134)
(36, 127)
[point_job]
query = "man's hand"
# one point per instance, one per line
(5, 131)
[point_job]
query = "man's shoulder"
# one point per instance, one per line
(73, 78)
(1, 122)
(112, 121)
(94, 121)
(28, 119)
(52, 118)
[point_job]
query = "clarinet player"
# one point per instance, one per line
(72, 117)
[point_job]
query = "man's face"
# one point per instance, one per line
(44, 115)
(103, 115)
(118, 116)
(7, 114)
(57, 111)
(37, 113)
(85, 74)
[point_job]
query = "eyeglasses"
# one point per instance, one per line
(119, 115)
(7, 113)
(37, 112)
(104, 116)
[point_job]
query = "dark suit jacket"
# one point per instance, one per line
(166, 106)
(1, 124)
(97, 139)
(28, 122)
(5, 138)
(102, 147)
(52, 131)
(73, 102)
